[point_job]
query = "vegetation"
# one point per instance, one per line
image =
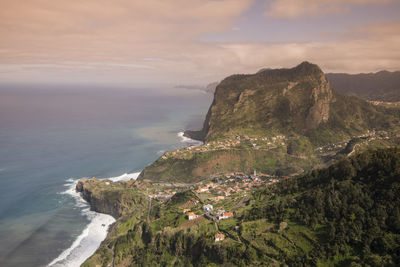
(291, 120)
(352, 207)
(344, 215)
(380, 86)
(297, 103)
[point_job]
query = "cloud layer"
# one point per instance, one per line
(299, 8)
(155, 41)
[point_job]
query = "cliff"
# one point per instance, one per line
(282, 118)
(288, 101)
(295, 99)
(116, 199)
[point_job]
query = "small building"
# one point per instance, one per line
(225, 215)
(192, 216)
(208, 207)
(219, 237)
(186, 210)
(202, 189)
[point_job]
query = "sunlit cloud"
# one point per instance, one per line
(160, 41)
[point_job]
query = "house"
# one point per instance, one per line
(225, 215)
(219, 237)
(208, 208)
(192, 216)
(186, 210)
(202, 189)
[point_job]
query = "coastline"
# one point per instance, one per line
(86, 244)
(94, 233)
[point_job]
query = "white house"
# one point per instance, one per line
(208, 208)
(192, 216)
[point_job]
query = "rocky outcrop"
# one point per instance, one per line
(280, 99)
(297, 103)
(108, 197)
(98, 202)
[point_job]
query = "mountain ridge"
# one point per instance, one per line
(274, 121)
(380, 86)
(300, 99)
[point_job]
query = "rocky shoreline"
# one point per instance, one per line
(97, 199)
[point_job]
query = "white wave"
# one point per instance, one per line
(87, 242)
(91, 237)
(188, 140)
(124, 177)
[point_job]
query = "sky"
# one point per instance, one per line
(156, 42)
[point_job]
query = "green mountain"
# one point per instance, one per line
(297, 101)
(344, 215)
(280, 121)
(380, 86)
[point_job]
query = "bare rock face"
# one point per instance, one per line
(296, 103)
(100, 198)
(319, 110)
(296, 99)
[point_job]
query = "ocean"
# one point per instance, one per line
(51, 136)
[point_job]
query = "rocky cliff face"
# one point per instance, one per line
(97, 202)
(110, 198)
(297, 104)
(295, 99)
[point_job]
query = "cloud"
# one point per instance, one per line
(300, 8)
(365, 49)
(131, 42)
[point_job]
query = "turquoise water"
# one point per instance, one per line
(52, 135)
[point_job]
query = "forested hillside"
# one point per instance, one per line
(353, 205)
(344, 215)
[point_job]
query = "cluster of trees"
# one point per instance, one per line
(351, 213)
(181, 248)
(354, 205)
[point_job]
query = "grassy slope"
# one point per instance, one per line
(270, 103)
(289, 223)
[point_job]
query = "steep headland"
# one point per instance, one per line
(116, 199)
(278, 121)
(282, 123)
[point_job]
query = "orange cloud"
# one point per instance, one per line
(158, 41)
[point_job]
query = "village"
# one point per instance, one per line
(240, 142)
(217, 188)
(222, 195)
(267, 143)
(218, 197)
(367, 138)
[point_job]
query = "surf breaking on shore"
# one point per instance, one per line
(95, 232)
(189, 141)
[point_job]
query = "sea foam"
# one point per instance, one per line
(189, 141)
(96, 231)
(124, 177)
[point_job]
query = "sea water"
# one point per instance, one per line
(50, 136)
